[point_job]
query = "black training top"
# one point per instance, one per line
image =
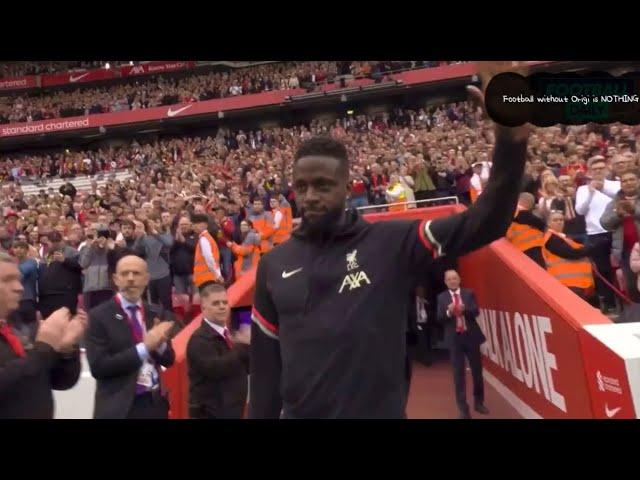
(329, 318)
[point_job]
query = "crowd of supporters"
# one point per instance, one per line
(20, 69)
(236, 178)
(161, 90)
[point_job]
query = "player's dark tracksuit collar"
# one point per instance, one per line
(351, 224)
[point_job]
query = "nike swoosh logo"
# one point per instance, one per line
(75, 79)
(291, 274)
(611, 413)
(173, 113)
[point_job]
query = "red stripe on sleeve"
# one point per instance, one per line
(269, 326)
(423, 237)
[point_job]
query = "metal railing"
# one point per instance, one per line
(455, 201)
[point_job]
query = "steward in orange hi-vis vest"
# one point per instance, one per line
(282, 219)
(567, 260)
(263, 224)
(206, 263)
(526, 232)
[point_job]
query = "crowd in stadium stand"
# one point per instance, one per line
(397, 157)
(159, 90)
(20, 69)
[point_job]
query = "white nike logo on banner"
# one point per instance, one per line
(611, 413)
(75, 79)
(290, 274)
(173, 113)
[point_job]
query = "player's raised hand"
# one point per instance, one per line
(486, 71)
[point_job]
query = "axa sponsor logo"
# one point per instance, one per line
(356, 279)
(608, 384)
(173, 113)
(137, 70)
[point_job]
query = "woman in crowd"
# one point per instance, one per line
(396, 193)
(549, 193)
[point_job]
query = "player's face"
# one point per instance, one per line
(321, 188)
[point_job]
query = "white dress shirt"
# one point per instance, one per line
(453, 300)
(592, 206)
(453, 293)
(141, 348)
(216, 327)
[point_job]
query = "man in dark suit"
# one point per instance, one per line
(457, 311)
(29, 373)
(126, 344)
(218, 363)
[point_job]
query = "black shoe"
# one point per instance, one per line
(465, 414)
(480, 408)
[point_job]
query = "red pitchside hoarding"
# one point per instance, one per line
(79, 76)
(17, 83)
(154, 67)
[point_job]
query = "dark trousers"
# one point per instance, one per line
(48, 304)
(160, 292)
(601, 256)
(149, 406)
(461, 348)
(93, 299)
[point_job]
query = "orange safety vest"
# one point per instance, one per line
(524, 237)
(201, 272)
(264, 226)
(242, 252)
(283, 233)
(473, 193)
(572, 273)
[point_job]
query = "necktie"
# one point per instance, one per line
(227, 338)
(134, 323)
(460, 326)
(12, 339)
(570, 213)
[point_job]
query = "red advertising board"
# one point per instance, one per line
(209, 106)
(154, 67)
(609, 375)
(17, 83)
(533, 326)
(142, 115)
(78, 76)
